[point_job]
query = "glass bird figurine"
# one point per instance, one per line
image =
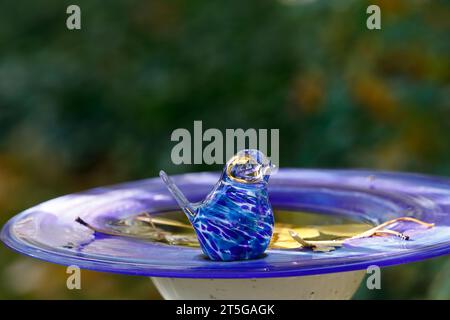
(235, 221)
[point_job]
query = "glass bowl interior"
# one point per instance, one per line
(49, 232)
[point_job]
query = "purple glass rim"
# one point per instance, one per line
(370, 195)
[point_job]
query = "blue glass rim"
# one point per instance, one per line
(371, 195)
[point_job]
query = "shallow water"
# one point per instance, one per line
(173, 228)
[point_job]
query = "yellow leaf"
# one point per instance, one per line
(343, 230)
(306, 233)
(285, 244)
(281, 238)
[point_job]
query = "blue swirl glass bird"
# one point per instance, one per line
(235, 221)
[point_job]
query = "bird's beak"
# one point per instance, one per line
(270, 169)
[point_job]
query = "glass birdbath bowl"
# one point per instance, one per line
(146, 244)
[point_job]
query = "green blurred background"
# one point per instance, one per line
(97, 106)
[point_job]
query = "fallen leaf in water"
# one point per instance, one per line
(282, 240)
(305, 233)
(323, 249)
(188, 239)
(342, 230)
(320, 246)
(284, 245)
(163, 221)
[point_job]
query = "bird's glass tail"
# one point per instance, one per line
(182, 201)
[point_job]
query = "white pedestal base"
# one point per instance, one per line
(340, 285)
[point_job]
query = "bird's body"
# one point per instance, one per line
(235, 221)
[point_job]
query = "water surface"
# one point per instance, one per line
(173, 228)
